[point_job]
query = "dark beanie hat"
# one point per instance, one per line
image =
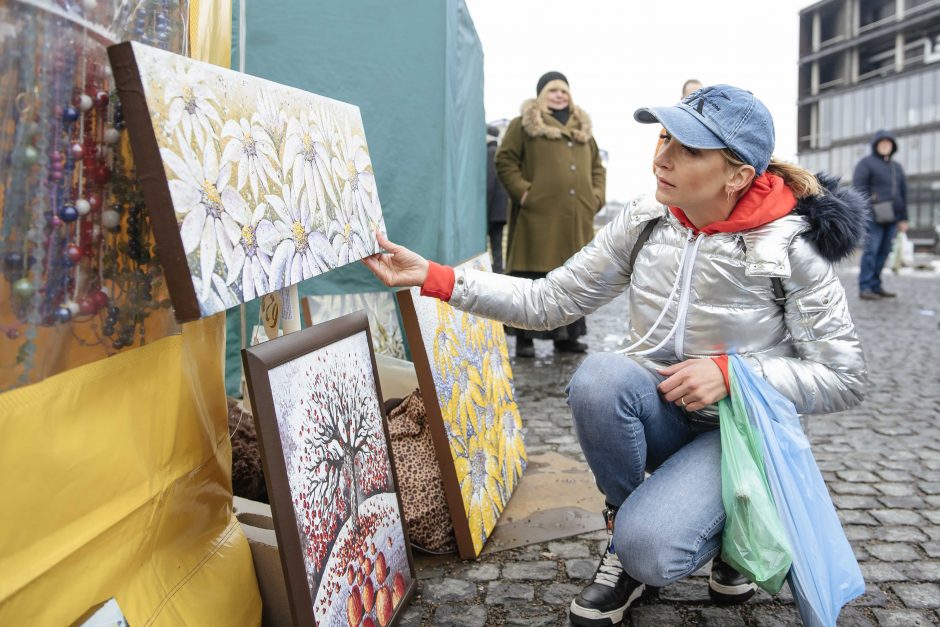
(549, 77)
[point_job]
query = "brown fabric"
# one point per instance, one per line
(247, 471)
(536, 156)
(419, 477)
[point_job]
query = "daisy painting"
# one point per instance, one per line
(463, 361)
(262, 185)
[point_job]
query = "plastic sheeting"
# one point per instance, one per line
(415, 69)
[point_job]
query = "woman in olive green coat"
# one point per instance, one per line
(551, 167)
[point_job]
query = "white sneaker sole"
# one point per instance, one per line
(731, 591)
(594, 618)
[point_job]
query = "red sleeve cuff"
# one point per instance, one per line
(439, 282)
(722, 361)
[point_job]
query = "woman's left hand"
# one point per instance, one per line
(693, 384)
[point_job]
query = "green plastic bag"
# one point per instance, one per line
(753, 541)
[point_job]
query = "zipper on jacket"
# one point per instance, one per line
(684, 298)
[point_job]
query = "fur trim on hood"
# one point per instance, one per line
(838, 219)
(535, 126)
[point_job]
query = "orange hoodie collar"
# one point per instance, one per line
(768, 198)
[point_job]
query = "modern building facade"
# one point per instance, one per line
(867, 65)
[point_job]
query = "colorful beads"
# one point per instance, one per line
(23, 288)
(68, 213)
(110, 219)
(70, 114)
(85, 103)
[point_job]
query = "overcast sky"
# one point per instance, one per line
(621, 55)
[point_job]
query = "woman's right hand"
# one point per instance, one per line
(399, 267)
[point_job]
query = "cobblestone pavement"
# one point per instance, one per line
(880, 460)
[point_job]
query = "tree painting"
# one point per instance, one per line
(341, 484)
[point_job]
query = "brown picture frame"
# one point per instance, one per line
(258, 362)
(437, 423)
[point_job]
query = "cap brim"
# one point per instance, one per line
(682, 125)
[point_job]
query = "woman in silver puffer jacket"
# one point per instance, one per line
(733, 256)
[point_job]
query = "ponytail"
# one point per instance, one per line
(801, 182)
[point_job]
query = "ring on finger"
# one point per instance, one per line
(682, 400)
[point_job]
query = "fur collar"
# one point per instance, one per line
(535, 126)
(838, 219)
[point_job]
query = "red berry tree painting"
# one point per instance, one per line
(341, 485)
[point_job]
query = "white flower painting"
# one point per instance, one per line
(270, 185)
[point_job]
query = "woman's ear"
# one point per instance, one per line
(741, 178)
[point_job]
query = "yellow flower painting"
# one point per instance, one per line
(472, 378)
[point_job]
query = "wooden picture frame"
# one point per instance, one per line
(341, 557)
(251, 186)
(479, 425)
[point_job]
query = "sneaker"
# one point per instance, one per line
(884, 294)
(610, 594)
(726, 586)
(525, 347)
(869, 295)
(570, 346)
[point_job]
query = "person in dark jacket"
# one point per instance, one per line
(881, 179)
(496, 200)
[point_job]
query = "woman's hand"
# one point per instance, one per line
(693, 384)
(399, 267)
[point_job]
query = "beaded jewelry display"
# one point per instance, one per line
(78, 275)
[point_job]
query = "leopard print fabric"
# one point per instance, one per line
(419, 478)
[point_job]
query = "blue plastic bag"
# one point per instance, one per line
(825, 574)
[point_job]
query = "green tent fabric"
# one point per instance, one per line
(415, 70)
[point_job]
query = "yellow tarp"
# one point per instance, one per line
(115, 478)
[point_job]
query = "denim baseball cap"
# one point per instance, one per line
(719, 116)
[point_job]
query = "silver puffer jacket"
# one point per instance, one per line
(707, 295)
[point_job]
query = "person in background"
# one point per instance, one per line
(550, 165)
(690, 86)
(496, 200)
(882, 179)
(733, 255)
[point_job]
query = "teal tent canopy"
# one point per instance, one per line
(415, 70)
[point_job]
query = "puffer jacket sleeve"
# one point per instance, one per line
(592, 277)
(829, 373)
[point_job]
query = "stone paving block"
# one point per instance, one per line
(900, 534)
(856, 517)
(858, 533)
(918, 595)
(892, 552)
(873, 597)
(875, 572)
(567, 550)
(435, 572)
(903, 502)
(894, 475)
(685, 591)
(932, 487)
(539, 571)
(500, 592)
(653, 616)
(923, 571)
(481, 572)
(560, 593)
(896, 489)
(446, 590)
(580, 568)
(860, 489)
(776, 617)
(854, 502)
(853, 617)
(413, 616)
(897, 517)
(460, 615)
(857, 476)
(720, 617)
(532, 617)
(932, 549)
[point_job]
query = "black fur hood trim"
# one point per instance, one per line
(838, 219)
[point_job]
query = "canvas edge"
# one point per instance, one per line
(442, 450)
(153, 181)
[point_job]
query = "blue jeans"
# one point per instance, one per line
(877, 248)
(669, 524)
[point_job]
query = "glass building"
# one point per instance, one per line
(867, 65)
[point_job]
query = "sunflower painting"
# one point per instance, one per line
(466, 383)
(252, 186)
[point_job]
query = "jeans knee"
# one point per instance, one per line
(600, 378)
(643, 557)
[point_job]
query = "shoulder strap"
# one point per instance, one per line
(641, 240)
(780, 297)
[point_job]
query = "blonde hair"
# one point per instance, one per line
(801, 182)
(550, 85)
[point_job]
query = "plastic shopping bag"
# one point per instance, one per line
(902, 252)
(753, 541)
(825, 575)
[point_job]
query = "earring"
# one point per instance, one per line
(730, 192)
